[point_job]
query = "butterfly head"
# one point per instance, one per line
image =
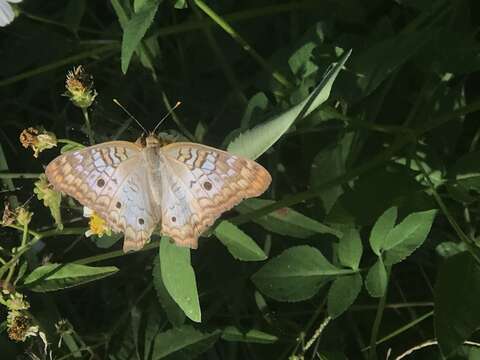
(152, 140)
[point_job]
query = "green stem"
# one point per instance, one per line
(115, 254)
(19, 176)
(469, 243)
(59, 63)
(402, 329)
(243, 43)
(88, 125)
(378, 319)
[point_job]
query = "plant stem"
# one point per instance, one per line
(243, 43)
(378, 319)
(88, 125)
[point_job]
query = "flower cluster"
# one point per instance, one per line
(38, 140)
(80, 87)
(97, 225)
(20, 215)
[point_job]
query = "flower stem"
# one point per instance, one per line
(88, 125)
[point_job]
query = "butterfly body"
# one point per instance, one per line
(183, 186)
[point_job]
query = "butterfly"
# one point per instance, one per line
(134, 187)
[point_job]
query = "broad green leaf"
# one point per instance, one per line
(52, 277)
(457, 314)
(231, 333)
(301, 62)
(296, 274)
(254, 142)
(183, 342)
(286, 221)
(135, 30)
(239, 244)
(407, 236)
(342, 293)
(376, 281)
(174, 313)
(350, 249)
(179, 278)
(382, 227)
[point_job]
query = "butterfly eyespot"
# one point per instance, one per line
(118, 205)
(207, 185)
(100, 182)
(174, 219)
(141, 221)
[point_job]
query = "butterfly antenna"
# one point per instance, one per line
(129, 114)
(166, 116)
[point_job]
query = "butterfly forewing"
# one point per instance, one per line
(202, 183)
(111, 179)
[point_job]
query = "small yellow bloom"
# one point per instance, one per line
(97, 225)
(38, 140)
(23, 216)
(80, 87)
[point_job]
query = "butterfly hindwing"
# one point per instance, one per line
(204, 183)
(110, 179)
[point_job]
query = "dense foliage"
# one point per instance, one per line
(365, 246)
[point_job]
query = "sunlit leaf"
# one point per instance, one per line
(232, 333)
(183, 342)
(254, 142)
(179, 278)
(342, 293)
(52, 277)
(296, 274)
(239, 244)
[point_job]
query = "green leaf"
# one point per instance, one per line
(240, 245)
(254, 142)
(179, 278)
(343, 292)
(174, 313)
(52, 277)
(376, 281)
(302, 62)
(106, 241)
(231, 333)
(71, 147)
(467, 171)
(327, 165)
(135, 30)
(382, 227)
(407, 236)
(296, 274)
(286, 221)
(350, 249)
(183, 342)
(457, 314)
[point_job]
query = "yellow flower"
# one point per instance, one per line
(37, 139)
(97, 225)
(80, 87)
(23, 216)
